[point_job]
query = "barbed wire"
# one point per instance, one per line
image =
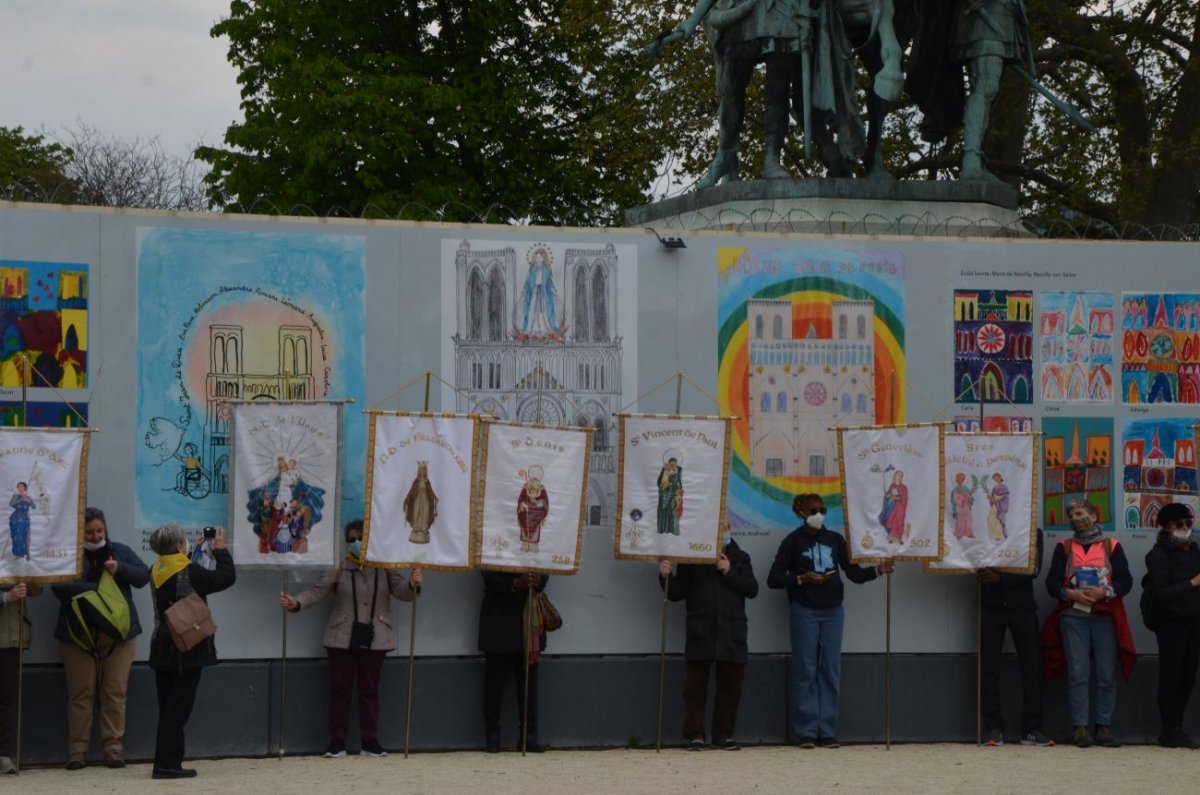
(794, 220)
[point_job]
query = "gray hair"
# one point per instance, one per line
(1085, 505)
(167, 539)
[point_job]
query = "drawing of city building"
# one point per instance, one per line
(993, 346)
(538, 341)
(1077, 454)
(227, 380)
(1163, 473)
(800, 387)
(1161, 348)
(1077, 346)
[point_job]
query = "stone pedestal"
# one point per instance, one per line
(841, 206)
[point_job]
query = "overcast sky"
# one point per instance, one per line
(127, 67)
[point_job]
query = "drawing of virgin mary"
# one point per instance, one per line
(271, 506)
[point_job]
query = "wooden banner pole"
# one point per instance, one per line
(412, 623)
(528, 645)
(887, 671)
(979, 670)
(283, 672)
(662, 666)
(21, 610)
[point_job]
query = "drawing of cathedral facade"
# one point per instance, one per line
(538, 341)
(227, 380)
(799, 388)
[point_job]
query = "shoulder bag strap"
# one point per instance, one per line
(374, 596)
(354, 594)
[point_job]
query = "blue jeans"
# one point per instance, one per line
(1085, 637)
(816, 670)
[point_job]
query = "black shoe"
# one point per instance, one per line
(807, 742)
(828, 742)
(493, 743)
(728, 745)
(173, 772)
(1081, 737)
(1105, 738)
(336, 749)
(696, 744)
(373, 748)
(1177, 738)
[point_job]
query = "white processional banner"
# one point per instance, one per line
(891, 491)
(532, 505)
(43, 471)
(671, 476)
(286, 480)
(420, 490)
(990, 506)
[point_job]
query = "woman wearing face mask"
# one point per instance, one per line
(356, 601)
(1088, 575)
(807, 565)
(106, 671)
(1173, 577)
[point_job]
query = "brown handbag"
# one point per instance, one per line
(189, 619)
(551, 619)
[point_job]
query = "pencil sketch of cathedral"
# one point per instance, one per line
(537, 341)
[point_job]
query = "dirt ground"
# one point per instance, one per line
(904, 768)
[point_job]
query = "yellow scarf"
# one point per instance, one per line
(167, 566)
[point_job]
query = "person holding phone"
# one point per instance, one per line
(716, 636)
(358, 636)
(807, 565)
(107, 670)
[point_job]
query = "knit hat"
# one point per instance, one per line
(1173, 512)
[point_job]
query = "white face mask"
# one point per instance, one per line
(1182, 535)
(92, 546)
(815, 520)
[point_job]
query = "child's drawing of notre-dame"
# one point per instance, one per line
(536, 340)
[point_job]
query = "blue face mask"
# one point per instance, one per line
(354, 548)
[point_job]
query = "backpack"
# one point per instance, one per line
(1146, 603)
(102, 610)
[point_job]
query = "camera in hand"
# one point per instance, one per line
(210, 532)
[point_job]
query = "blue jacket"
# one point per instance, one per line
(132, 573)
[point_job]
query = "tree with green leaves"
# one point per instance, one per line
(32, 168)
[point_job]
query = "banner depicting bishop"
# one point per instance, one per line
(534, 486)
(420, 489)
(42, 472)
(989, 516)
(892, 491)
(672, 477)
(286, 481)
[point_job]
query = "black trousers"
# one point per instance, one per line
(497, 669)
(1023, 625)
(9, 659)
(176, 695)
(730, 676)
(1178, 655)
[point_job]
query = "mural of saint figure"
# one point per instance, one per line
(538, 316)
(533, 505)
(895, 508)
(420, 506)
(960, 507)
(670, 497)
(998, 512)
(18, 520)
(283, 510)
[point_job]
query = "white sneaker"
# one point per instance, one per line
(6, 766)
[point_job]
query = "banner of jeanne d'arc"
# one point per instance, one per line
(532, 506)
(892, 489)
(989, 515)
(671, 487)
(286, 481)
(420, 489)
(42, 472)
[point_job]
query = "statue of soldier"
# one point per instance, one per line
(742, 34)
(983, 35)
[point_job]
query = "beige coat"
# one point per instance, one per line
(337, 580)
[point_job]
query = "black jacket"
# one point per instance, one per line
(132, 572)
(716, 605)
(800, 552)
(502, 614)
(1013, 591)
(163, 654)
(1169, 567)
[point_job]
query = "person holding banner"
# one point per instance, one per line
(502, 626)
(1089, 575)
(1008, 605)
(716, 634)
(13, 638)
(357, 637)
(1173, 583)
(177, 674)
(106, 667)
(807, 565)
